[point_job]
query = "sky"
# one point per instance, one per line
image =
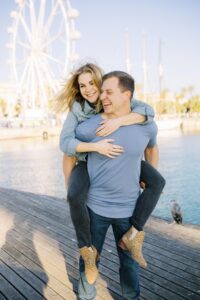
(103, 26)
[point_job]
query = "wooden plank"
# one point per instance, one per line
(31, 261)
(15, 236)
(55, 267)
(50, 249)
(58, 213)
(176, 260)
(37, 279)
(158, 240)
(182, 285)
(54, 270)
(189, 263)
(2, 297)
(24, 289)
(105, 271)
(8, 289)
(172, 273)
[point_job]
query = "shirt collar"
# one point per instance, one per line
(88, 108)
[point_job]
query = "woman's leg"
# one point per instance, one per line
(77, 196)
(146, 202)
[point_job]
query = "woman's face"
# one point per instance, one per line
(88, 88)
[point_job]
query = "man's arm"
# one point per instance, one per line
(151, 155)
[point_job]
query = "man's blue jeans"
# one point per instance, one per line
(129, 277)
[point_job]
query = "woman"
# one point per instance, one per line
(80, 96)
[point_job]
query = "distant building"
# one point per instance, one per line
(8, 92)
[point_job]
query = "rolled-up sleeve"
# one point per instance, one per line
(68, 142)
(144, 109)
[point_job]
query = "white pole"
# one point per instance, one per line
(128, 60)
(144, 66)
(160, 69)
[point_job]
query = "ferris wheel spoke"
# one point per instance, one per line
(45, 70)
(24, 45)
(50, 18)
(52, 58)
(50, 76)
(37, 78)
(49, 42)
(27, 88)
(41, 13)
(41, 29)
(27, 80)
(55, 37)
(24, 74)
(41, 83)
(21, 61)
(32, 15)
(31, 85)
(48, 73)
(26, 29)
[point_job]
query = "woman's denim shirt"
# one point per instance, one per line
(68, 141)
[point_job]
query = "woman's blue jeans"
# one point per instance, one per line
(77, 196)
(129, 276)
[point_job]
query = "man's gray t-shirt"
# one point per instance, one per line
(114, 183)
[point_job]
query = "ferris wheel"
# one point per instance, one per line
(42, 48)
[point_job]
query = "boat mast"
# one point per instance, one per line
(160, 69)
(128, 60)
(144, 66)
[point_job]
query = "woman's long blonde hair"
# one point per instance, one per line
(71, 92)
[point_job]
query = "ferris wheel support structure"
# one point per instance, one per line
(42, 48)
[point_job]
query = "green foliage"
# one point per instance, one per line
(193, 104)
(183, 102)
(3, 106)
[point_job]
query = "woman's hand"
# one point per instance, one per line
(108, 126)
(108, 149)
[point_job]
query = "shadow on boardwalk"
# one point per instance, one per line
(20, 264)
(39, 257)
(32, 265)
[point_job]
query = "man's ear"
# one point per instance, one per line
(128, 94)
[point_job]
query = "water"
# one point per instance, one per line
(180, 165)
(35, 165)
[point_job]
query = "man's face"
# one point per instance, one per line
(111, 96)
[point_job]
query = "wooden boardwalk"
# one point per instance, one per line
(39, 257)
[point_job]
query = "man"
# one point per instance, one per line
(114, 183)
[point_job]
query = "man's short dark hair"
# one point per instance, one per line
(126, 81)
